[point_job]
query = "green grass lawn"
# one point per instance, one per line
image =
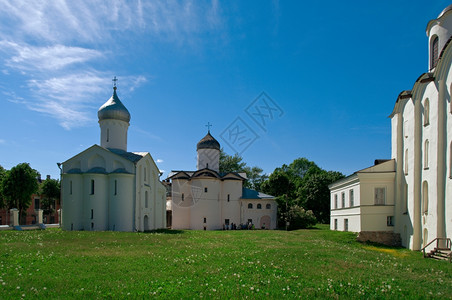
(315, 263)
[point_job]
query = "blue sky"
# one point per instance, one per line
(330, 72)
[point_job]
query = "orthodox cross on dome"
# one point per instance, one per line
(114, 82)
(208, 126)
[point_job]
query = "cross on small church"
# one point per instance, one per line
(208, 126)
(114, 81)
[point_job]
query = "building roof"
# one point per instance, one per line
(208, 142)
(445, 11)
(132, 156)
(114, 109)
(252, 194)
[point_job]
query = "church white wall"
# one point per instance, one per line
(113, 134)
(349, 211)
(207, 204)
(96, 202)
(208, 158)
(121, 195)
(259, 216)
(181, 208)
(72, 203)
(230, 209)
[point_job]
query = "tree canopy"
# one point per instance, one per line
(301, 184)
(50, 192)
(17, 186)
(2, 175)
(235, 163)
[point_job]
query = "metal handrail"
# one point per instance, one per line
(448, 243)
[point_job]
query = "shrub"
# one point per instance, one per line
(300, 218)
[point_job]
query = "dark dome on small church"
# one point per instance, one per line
(113, 109)
(208, 142)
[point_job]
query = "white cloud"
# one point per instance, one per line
(159, 160)
(2, 141)
(55, 57)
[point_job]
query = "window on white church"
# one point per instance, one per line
(116, 187)
(352, 198)
(183, 196)
(92, 225)
(426, 146)
(390, 221)
(405, 202)
(205, 220)
(434, 52)
(229, 197)
(379, 196)
(406, 162)
(450, 159)
(108, 135)
(335, 224)
(425, 197)
(268, 206)
(92, 214)
(426, 112)
(250, 205)
(146, 204)
(343, 199)
(259, 206)
(345, 224)
(144, 175)
(92, 186)
(335, 201)
(70, 187)
(205, 190)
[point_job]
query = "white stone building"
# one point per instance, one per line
(208, 200)
(421, 122)
(107, 188)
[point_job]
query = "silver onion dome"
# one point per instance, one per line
(113, 109)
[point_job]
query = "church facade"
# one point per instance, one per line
(415, 199)
(108, 188)
(206, 199)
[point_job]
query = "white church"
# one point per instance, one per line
(206, 199)
(108, 188)
(408, 199)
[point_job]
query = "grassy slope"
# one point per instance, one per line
(227, 264)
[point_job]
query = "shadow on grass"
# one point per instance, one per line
(165, 231)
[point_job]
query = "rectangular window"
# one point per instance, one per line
(335, 224)
(183, 196)
(70, 187)
(205, 220)
(250, 221)
(352, 198)
(116, 187)
(405, 198)
(226, 221)
(36, 203)
(92, 186)
(92, 214)
(229, 197)
(345, 224)
(380, 195)
(390, 221)
(205, 190)
(343, 199)
(335, 201)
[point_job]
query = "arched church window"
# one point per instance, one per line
(116, 187)
(268, 206)
(426, 146)
(108, 135)
(250, 205)
(434, 52)
(426, 112)
(144, 175)
(183, 196)
(259, 206)
(70, 187)
(229, 197)
(146, 199)
(425, 196)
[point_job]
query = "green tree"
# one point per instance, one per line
(18, 185)
(299, 218)
(50, 195)
(314, 194)
(2, 200)
(236, 164)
